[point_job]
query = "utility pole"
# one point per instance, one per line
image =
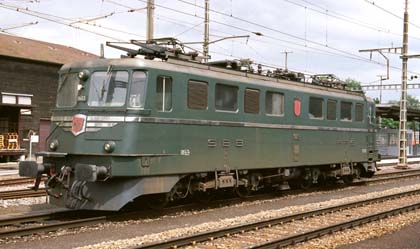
(206, 31)
(150, 10)
(402, 155)
(402, 134)
(381, 78)
(285, 57)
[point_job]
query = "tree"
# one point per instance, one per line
(412, 103)
(389, 123)
(354, 85)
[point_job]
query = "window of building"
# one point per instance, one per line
(26, 112)
(345, 111)
(316, 107)
(331, 109)
(359, 112)
(164, 94)
(252, 101)
(197, 95)
(138, 90)
(226, 97)
(16, 98)
(274, 103)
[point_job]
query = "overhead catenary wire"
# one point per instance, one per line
(63, 21)
(35, 13)
(338, 52)
(358, 57)
(346, 18)
(183, 23)
(390, 12)
(325, 50)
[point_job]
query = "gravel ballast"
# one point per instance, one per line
(238, 220)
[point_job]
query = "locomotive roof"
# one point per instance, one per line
(215, 72)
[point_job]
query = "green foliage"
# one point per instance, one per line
(412, 102)
(389, 123)
(354, 85)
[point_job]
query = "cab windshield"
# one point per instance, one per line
(67, 90)
(108, 88)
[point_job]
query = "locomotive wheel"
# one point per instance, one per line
(203, 197)
(157, 201)
(347, 179)
(300, 183)
(242, 191)
(305, 183)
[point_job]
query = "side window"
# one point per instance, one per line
(359, 112)
(372, 117)
(138, 90)
(274, 103)
(345, 111)
(252, 101)
(331, 109)
(316, 107)
(197, 95)
(226, 98)
(164, 94)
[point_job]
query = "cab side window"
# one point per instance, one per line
(274, 104)
(138, 90)
(316, 108)
(164, 94)
(345, 111)
(226, 98)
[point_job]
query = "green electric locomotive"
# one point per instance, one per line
(166, 129)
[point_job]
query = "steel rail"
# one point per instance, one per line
(21, 193)
(210, 235)
(392, 176)
(52, 227)
(17, 181)
(274, 244)
(19, 219)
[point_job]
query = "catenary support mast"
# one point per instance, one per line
(206, 31)
(150, 10)
(402, 155)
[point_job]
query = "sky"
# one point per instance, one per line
(322, 36)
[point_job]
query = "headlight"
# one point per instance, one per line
(53, 145)
(109, 146)
(83, 75)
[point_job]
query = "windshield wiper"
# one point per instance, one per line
(106, 80)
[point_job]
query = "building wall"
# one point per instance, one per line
(31, 77)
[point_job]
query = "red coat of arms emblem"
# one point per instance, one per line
(296, 107)
(78, 124)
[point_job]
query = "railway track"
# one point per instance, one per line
(53, 221)
(47, 222)
(21, 193)
(393, 176)
(17, 181)
(287, 230)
